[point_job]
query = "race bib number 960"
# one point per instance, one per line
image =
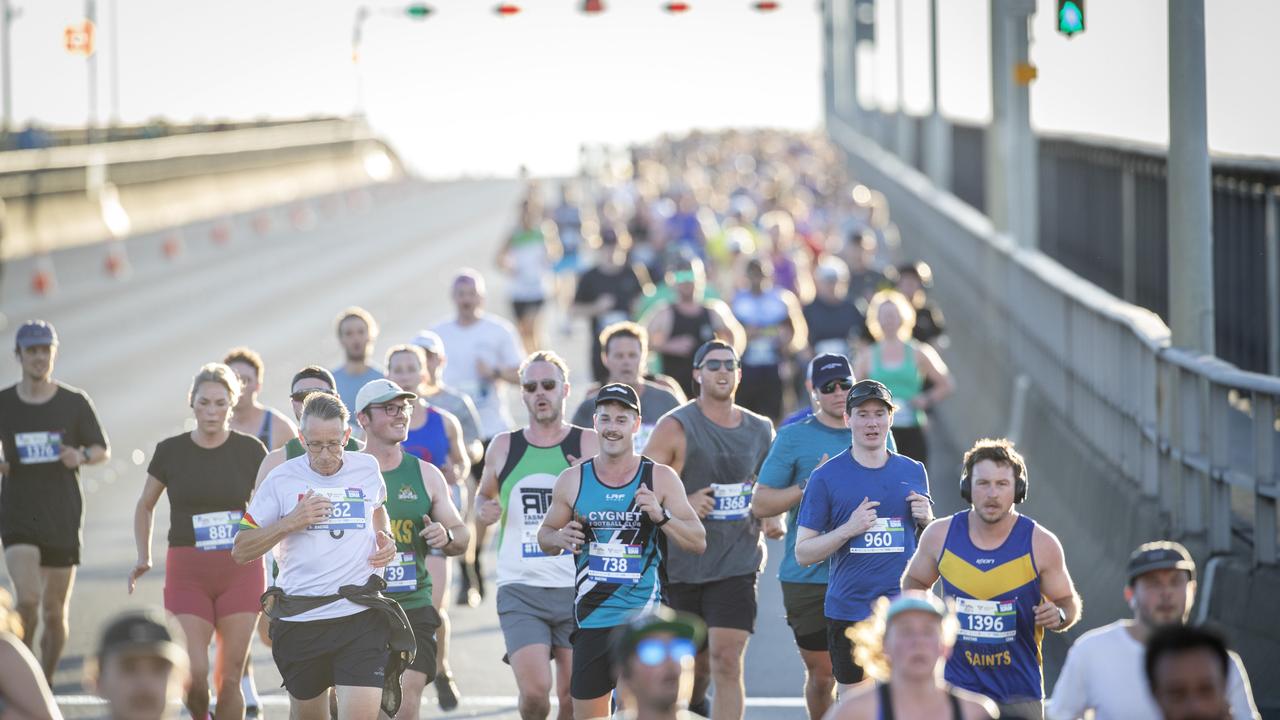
(886, 536)
(347, 512)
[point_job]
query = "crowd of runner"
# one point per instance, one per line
(763, 365)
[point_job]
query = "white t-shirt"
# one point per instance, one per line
(324, 557)
(494, 341)
(1104, 672)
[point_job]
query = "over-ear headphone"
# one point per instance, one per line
(1019, 484)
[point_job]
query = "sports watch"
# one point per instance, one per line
(666, 518)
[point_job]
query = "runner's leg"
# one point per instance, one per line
(23, 564)
(412, 683)
(564, 670)
(317, 708)
(533, 680)
(55, 601)
(819, 683)
(358, 703)
(727, 647)
(235, 632)
(199, 634)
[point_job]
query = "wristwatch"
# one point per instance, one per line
(84, 455)
(666, 518)
(448, 534)
(1062, 617)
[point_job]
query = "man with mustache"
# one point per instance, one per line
(717, 447)
(535, 590)
(616, 513)
(1103, 671)
(1008, 577)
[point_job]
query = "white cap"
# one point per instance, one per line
(380, 391)
(429, 341)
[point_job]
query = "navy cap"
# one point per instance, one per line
(865, 390)
(827, 367)
(1160, 555)
(710, 345)
(149, 631)
(36, 332)
(619, 393)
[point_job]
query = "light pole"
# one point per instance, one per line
(8, 13)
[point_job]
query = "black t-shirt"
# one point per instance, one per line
(625, 287)
(205, 480)
(40, 498)
(832, 321)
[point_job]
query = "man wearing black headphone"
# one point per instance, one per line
(1007, 576)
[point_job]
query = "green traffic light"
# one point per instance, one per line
(418, 10)
(1070, 17)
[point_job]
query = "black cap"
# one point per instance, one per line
(1160, 555)
(827, 367)
(619, 393)
(865, 390)
(710, 345)
(144, 632)
(660, 619)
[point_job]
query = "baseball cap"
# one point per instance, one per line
(660, 619)
(710, 345)
(1160, 555)
(915, 600)
(619, 393)
(429, 341)
(149, 631)
(35, 332)
(827, 367)
(865, 390)
(380, 391)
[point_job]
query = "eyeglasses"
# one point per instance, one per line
(394, 409)
(653, 651)
(301, 395)
(713, 365)
(830, 387)
(548, 385)
(333, 447)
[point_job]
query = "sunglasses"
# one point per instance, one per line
(653, 651)
(713, 365)
(301, 395)
(830, 387)
(548, 385)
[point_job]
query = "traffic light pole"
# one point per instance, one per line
(1190, 200)
(1012, 174)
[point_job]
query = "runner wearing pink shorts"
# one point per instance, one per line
(209, 474)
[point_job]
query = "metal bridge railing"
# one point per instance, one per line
(1196, 434)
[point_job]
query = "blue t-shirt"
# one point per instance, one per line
(796, 451)
(870, 565)
(797, 416)
(349, 386)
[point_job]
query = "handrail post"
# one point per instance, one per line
(1265, 486)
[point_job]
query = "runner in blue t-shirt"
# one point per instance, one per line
(862, 509)
(798, 449)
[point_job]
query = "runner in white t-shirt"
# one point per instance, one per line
(323, 517)
(484, 355)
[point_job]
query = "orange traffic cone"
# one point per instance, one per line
(43, 281)
(117, 261)
(172, 246)
(220, 233)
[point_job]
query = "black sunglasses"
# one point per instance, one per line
(301, 395)
(548, 385)
(717, 364)
(830, 387)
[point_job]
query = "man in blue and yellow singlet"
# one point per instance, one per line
(615, 513)
(1007, 576)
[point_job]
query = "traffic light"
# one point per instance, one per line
(418, 11)
(592, 7)
(1070, 17)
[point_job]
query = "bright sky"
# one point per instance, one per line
(469, 92)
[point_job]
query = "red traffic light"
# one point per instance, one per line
(592, 7)
(676, 7)
(507, 9)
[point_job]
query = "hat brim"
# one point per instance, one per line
(165, 649)
(677, 627)
(1189, 567)
(388, 397)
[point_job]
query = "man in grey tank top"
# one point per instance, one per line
(717, 448)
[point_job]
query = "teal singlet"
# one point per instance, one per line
(619, 571)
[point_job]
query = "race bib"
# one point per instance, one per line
(886, 536)
(401, 575)
(216, 530)
(347, 512)
(733, 501)
(35, 448)
(987, 621)
(529, 546)
(613, 563)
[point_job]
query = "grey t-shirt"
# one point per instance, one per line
(729, 460)
(655, 401)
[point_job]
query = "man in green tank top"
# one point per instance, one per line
(423, 518)
(535, 591)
